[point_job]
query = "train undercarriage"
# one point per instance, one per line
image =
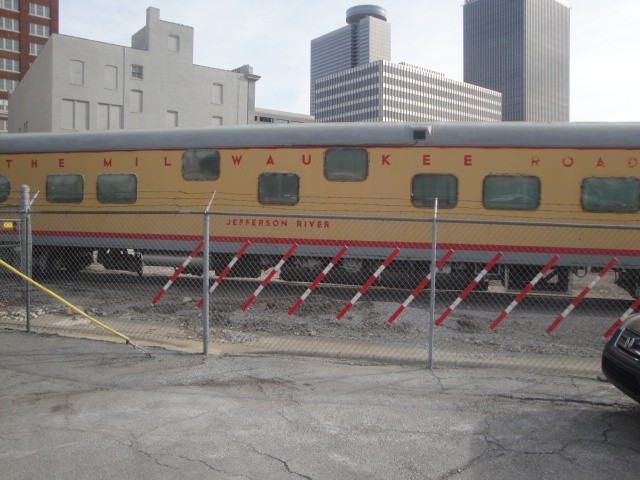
(350, 271)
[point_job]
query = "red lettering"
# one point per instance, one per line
(106, 162)
(306, 159)
(535, 161)
(467, 160)
(567, 161)
(8, 160)
(632, 162)
(426, 159)
(61, 162)
(34, 163)
(270, 161)
(166, 162)
(236, 159)
(385, 159)
(136, 161)
(600, 163)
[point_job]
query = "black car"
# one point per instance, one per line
(621, 358)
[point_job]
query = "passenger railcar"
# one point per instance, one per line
(571, 173)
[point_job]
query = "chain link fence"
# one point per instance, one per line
(342, 298)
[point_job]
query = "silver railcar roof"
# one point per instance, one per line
(484, 134)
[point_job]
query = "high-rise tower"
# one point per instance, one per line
(521, 49)
(366, 39)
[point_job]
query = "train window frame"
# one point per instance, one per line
(193, 172)
(5, 188)
(607, 207)
(510, 204)
(74, 197)
(429, 202)
(122, 197)
(334, 158)
(278, 197)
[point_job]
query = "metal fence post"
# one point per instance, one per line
(205, 286)
(432, 299)
(25, 248)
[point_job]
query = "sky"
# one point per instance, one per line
(274, 37)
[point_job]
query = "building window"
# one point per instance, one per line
(511, 192)
(611, 194)
(10, 45)
(3, 125)
(174, 43)
(109, 117)
(76, 72)
(13, 5)
(110, 77)
(171, 119)
(38, 10)
(8, 85)
(11, 24)
(279, 188)
(135, 101)
(216, 121)
(34, 49)
(216, 94)
(66, 188)
(8, 65)
(75, 115)
(346, 164)
(137, 72)
(39, 30)
(201, 164)
(4, 105)
(117, 188)
(425, 188)
(5, 188)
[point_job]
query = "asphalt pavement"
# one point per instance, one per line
(78, 408)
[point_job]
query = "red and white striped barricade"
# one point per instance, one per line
(224, 273)
(372, 279)
(579, 298)
(525, 291)
(470, 287)
(418, 289)
(318, 279)
(618, 322)
(271, 274)
(177, 273)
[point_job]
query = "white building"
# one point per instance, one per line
(79, 84)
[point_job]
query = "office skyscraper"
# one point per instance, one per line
(366, 38)
(521, 49)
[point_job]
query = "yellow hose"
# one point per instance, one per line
(60, 299)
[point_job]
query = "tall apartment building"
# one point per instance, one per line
(521, 49)
(366, 38)
(354, 80)
(79, 84)
(25, 26)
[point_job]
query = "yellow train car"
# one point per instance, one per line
(504, 187)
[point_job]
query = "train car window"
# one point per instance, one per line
(426, 187)
(117, 188)
(5, 188)
(346, 164)
(202, 164)
(65, 188)
(611, 194)
(511, 192)
(278, 188)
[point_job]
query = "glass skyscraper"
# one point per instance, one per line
(366, 38)
(521, 49)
